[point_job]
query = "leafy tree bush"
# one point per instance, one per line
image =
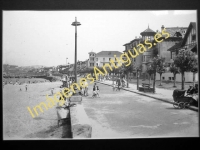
(160, 67)
(185, 61)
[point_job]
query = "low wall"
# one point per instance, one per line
(80, 123)
(168, 76)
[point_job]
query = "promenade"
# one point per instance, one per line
(160, 93)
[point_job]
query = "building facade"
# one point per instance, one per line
(189, 42)
(142, 61)
(102, 58)
(92, 61)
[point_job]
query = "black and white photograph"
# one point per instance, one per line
(99, 74)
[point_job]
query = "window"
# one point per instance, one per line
(96, 64)
(163, 78)
(143, 58)
(172, 78)
(169, 78)
(148, 58)
(92, 64)
(96, 59)
(194, 37)
(103, 59)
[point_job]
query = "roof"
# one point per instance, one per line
(126, 44)
(91, 53)
(148, 30)
(173, 30)
(191, 25)
(108, 53)
(136, 39)
(175, 47)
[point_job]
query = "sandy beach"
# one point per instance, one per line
(17, 121)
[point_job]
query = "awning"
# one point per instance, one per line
(175, 47)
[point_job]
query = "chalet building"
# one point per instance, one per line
(189, 42)
(102, 58)
(142, 61)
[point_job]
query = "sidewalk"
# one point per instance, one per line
(161, 94)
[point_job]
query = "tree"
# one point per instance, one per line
(126, 70)
(160, 67)
(155, 65)
(184, 61)
(173, 69)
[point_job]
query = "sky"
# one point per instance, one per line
(47, 38)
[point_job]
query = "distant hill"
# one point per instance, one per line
(35, 66)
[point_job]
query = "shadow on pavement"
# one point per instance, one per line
(63, 131)
(66, 129)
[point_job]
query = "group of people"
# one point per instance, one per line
(26, 88)
(192, 92)
(119, 83)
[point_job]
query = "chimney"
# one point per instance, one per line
(162, 28)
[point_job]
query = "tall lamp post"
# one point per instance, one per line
(75, 23)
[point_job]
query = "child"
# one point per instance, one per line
(97, 90)
(94, 91)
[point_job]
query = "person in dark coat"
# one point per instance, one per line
(118, 82)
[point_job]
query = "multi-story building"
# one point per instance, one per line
(103, 57)
(92, 56)
(142, 61)
(189, 42)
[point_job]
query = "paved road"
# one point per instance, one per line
(128, 115)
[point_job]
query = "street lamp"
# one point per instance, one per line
(75, 65)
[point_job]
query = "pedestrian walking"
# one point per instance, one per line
(26, 88)
(97, 90)
(52, 91)
(118, 82)
(85, 88)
